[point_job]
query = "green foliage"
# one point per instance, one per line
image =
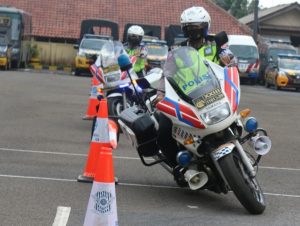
(34, 52)
(237, 8)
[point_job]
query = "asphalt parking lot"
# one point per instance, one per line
(44, 145)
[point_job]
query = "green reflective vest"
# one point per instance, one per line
(140, 61)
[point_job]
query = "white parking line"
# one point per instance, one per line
(127, 184)
(118, 157)
(62, 216)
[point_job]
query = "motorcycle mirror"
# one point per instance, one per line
(124, 62)
(221, 38)
(143, 83)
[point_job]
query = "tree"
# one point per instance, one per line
(237, 8)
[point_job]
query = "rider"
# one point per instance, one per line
(195, 24)
(134, 47)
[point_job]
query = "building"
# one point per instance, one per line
(279, 22)
(57, 21)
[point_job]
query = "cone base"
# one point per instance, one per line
(85, 179)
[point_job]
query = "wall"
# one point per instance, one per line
(56, 53)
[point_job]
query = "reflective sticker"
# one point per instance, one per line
(223, 150)
(208, 51)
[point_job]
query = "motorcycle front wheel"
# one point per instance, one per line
(245, 187)
(115, 106)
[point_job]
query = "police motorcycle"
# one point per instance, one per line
(116, 85)
(220, 148)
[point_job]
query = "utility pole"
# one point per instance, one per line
(255, 22)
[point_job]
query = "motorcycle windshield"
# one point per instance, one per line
(110, 52)
(194, 78)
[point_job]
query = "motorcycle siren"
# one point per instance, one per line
(135, 35)
(196, 179)
(261, 144)
(195, 22)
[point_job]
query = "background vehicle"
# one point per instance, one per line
(207, 127)
(15, 35)
(5, 54)
(246, 52)
(90, 46)
(269, 49)
(284, 73)
(157, 52)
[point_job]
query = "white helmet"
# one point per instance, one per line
(195, 16)
(135, 35)
(135, 30)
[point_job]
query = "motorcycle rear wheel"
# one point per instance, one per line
(245, 188)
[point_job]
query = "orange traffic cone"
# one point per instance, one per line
(102, 206)
(91, 111)
(100, 139)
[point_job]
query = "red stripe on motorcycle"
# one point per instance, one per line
(166, 109)
(189, 115)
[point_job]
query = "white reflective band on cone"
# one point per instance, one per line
(102, 206)
(101, 133)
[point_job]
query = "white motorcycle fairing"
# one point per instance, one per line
(186, 117)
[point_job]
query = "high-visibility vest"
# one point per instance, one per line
(141, 61)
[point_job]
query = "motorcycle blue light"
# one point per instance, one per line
(124, 62)
(250, 124)
(184, 158)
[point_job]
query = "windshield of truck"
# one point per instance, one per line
(93, 44)
(157, 50)
(244, 51)
(10, 25)
(275, 51)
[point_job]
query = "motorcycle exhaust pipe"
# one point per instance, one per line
(195, 178)
(261, 144)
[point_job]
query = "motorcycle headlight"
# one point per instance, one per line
(113, 77)
(216, 115)
(81, 53)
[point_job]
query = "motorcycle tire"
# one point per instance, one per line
(245, 188)
(115, 106)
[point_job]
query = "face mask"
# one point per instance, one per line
(195, 34)
(134, 40)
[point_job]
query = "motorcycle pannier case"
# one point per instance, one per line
(138, 126)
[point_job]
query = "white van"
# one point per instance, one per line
(245, 50)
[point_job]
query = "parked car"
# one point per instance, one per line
(268, 50)
(157, 52)
(245, 50)
(90, 46)
(284, 73)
